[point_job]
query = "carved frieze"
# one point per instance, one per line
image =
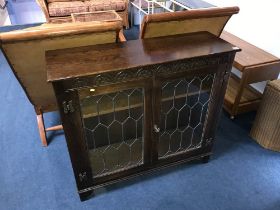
(146, 71)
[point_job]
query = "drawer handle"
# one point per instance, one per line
(156, 128)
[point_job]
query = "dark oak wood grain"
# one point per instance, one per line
(90, 60)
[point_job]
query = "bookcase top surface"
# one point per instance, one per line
(91, 60)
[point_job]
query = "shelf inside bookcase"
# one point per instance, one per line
(89, 111)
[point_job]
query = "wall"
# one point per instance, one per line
(257, 22)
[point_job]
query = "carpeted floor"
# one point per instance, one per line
(240, 176)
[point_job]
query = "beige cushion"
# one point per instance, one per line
(58, 9)
(103, 5)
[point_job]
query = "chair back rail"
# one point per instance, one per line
(212, 20)
(25, 52)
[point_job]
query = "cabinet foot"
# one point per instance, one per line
(86, 195)
(205, 159)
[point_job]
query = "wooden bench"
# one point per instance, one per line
(255, 65)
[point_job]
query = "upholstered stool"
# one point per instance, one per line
(266, 128)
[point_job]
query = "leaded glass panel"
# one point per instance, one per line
(184, 105)
(113, 125)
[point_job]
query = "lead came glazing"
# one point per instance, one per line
(113, 125)
(184, 105)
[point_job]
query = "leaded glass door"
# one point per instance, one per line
(183, 107)
(114, 120)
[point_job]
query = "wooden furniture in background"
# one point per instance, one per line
(132, 107)
(255, 65)
(61, 10)
(100, 16)
(25, 52)
(266, 127)
(212, 20)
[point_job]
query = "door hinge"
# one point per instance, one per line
(68, 107)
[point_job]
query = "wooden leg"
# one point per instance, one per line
(86, 195)
(42, 131)
(121, 36)
(205, 159)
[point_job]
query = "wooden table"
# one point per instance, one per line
(133, 107)
(255, 65)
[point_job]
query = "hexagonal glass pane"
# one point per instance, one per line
(104, 105)
(139, 132)
(89, 106)
(137, 151)
(135, 97)
(100, 136)
(183, 113)
(184, 117)
(121, 115)
(136, 112)
(193, 91)
(207, 82)
(171, 119)
(106, 119)
(180, 94)
(206, 86)
(187, 138)
(179, 102)
(115, 132)
(204, 113)
(168, 89)
(96, 158)
(113, 125)
(163, 146)
(90, 140)
(195, 115)
(181, 88)
(129, 129)
(175, 141)
(162, 121)
(166, 105)
(124, 154)
(197, 135)
(121, 100)
(110, 158)
(91, 122)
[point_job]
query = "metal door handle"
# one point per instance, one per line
(156, 128)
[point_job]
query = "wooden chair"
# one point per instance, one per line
(25, 52)
(212, 20)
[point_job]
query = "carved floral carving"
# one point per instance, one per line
(146, 71)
